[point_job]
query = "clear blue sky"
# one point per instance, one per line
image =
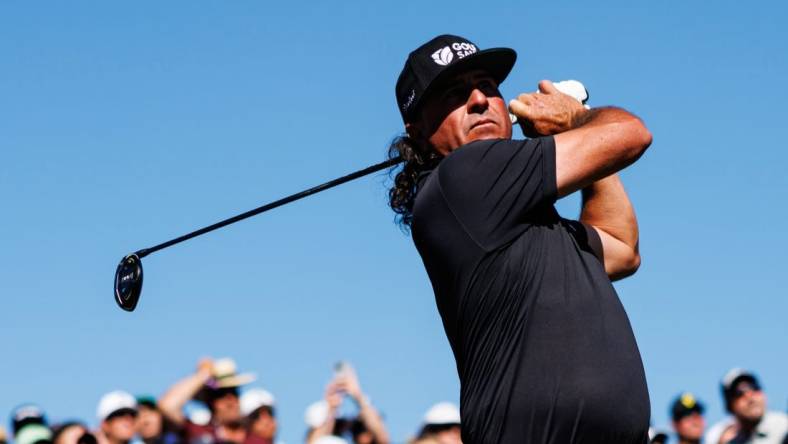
(126, 124)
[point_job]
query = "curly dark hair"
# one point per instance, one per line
(417, 158)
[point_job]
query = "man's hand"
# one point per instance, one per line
(172, 402)
(333, 396)
(205, 367)
(547, 112)
(348, 382)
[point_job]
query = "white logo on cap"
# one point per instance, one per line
(443, 56)
(463, 49)
(410, 100)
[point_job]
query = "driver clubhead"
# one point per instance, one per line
(128, 282)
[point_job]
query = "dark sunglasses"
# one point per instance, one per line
(744, 388)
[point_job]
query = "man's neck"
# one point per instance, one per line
(683, 440)
(748, 426)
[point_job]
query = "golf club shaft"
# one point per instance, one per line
(285, 200)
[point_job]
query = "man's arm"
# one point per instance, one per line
(172, 402)
(591, 146)
(607, 208)
(368, 414)
(601, 142)
(333, 398)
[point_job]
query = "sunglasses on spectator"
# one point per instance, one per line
(744, 388)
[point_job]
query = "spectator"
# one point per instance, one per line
(366, 427)
(745, 399)
(3, 436)
(728, 433)
(657, 436)
(26, 414)
(721, 432)
(215, 383)
(688, 422)
(423, 441)
(257, 408)
(151, 426)
(34, 434)
(72, 432)
(442, 423)
(116, 413)
(29, 425)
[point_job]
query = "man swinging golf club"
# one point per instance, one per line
(543, 347)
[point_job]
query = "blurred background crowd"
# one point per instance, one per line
(217, 404)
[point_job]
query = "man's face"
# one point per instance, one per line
(690, 426)
(451, 435)
(749, 402)
(119, 427)
(265, 425)
(225, 406)
(466, 108)
(149, 422)
(233, 432)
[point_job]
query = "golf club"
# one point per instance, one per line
(128, 275)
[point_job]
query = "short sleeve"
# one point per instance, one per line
(497, 188)
(587, 238)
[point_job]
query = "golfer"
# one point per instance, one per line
(544, 350)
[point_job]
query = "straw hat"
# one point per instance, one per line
(225, 374)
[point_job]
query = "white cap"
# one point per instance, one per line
(114, 401)
(330, 439)
(316, 414)
(253, 399)
(734, 374)
(442, 413)
(200, 416)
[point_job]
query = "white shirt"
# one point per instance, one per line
(772, 429)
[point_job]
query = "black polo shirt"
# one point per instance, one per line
(544, 349)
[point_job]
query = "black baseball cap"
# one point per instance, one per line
(684, 405)
(26, 414)
(731, 381)
(439, 59)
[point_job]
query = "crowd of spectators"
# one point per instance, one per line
(234, 416)
(749, 421)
